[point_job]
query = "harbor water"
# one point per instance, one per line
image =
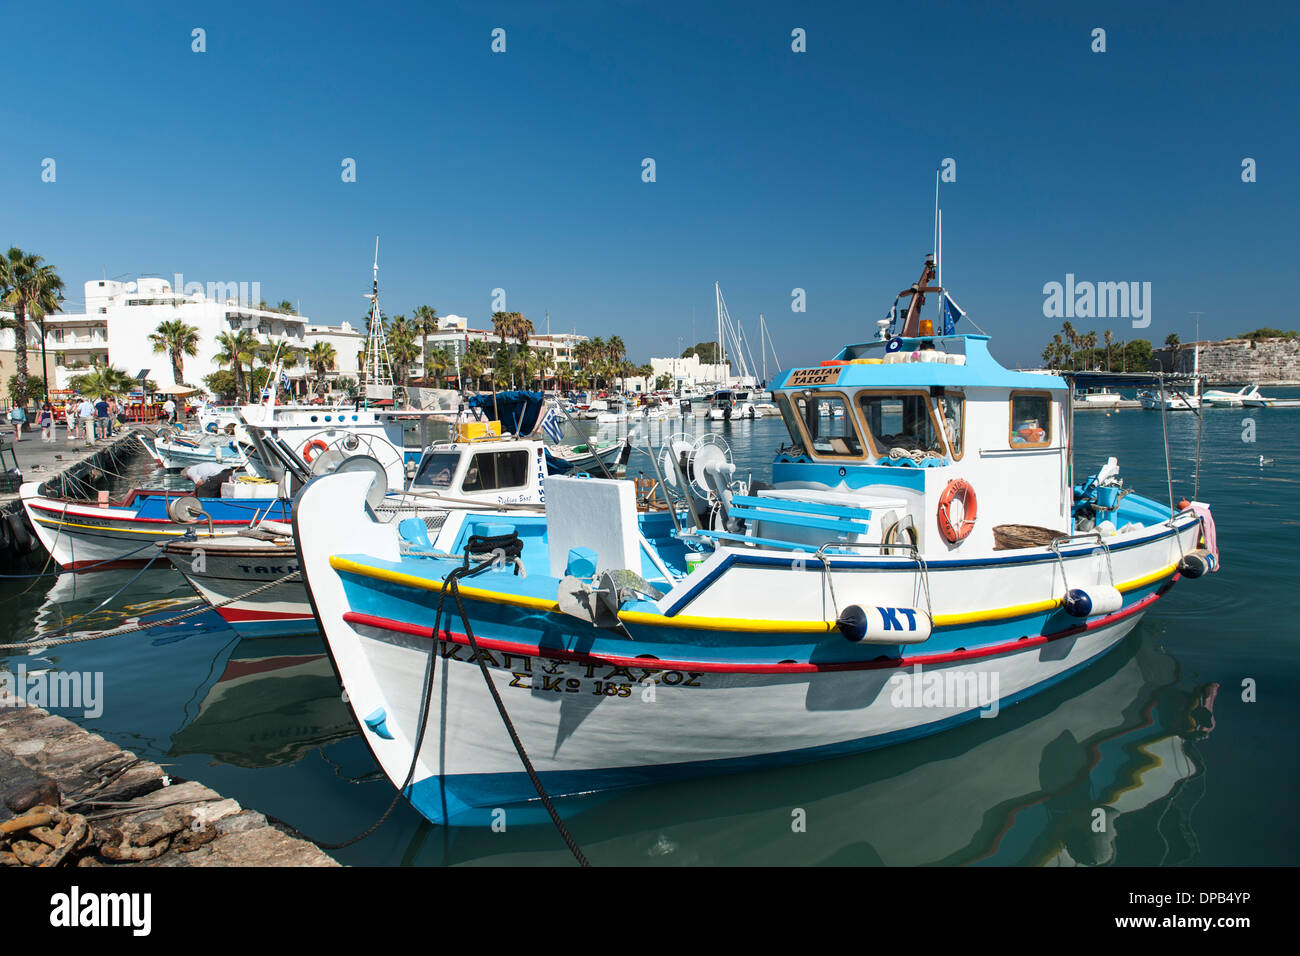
(1180, 740)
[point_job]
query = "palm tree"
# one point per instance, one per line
(437, 362)
(475, 361)
(34, 289)
(426, 317)
(1110, 341)
(178, 340)
(403, 349)
(321, 357)
(237, 348)
(103, 380)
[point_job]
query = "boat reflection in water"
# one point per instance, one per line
(1063, 779)
(276, 700)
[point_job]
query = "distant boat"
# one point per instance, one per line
(1248, 395)
(1177, 401)
(1096, 398)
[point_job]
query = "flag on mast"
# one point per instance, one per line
(951, 313)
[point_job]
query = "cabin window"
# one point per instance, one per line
(437, 470)
(791, 424)
(492, 470)
(951, 407)
(1031, 420)
(829, 424)
(901, 422)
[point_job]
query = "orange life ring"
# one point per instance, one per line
(957, 488)
(309, 449)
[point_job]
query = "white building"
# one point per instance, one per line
(120, 317)
(690, 372)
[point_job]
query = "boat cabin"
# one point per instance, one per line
(488, 469)
(911, 423)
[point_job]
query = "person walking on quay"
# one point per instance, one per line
(18, 418)
(101, 418)
(46, 420)
(70, 413)
(86, 418)
(169, 407)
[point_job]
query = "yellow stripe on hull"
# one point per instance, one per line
(700, 622)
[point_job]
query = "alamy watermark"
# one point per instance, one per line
(947, 689)
(244, 294)
(54, 690)
(1098, 300)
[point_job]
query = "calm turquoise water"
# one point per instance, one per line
(1156, 734)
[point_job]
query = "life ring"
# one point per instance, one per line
(309, 449)
(957, 488)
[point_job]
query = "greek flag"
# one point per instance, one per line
(951, 313)
(550, 426)
(284, 382)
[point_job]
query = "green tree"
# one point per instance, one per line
(237, 350)
(321, 357)
(426, 318)
(178, 340)
(105, 380)
(33, 289)
(223, 385)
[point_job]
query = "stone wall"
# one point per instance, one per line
(1264, 361)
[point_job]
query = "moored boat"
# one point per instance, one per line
(748, 625)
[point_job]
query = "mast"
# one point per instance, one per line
(377, 373)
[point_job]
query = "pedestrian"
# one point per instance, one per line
(101, 417)
(169, 408)
(46, 420)
(86, 418)
(18, 418)
(70, 412)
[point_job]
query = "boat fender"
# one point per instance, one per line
(1093, 600)
(23, 542)
(884, 625)
(1196, 563)
(4, 537)
(957, 488)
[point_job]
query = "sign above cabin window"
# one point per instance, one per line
(808, 377)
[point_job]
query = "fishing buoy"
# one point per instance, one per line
(23, 541)
(884, 625)
(1196, 563)
(1093, 600)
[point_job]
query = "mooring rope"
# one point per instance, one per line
(450, 585)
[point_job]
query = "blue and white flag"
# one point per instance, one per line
(951, 313)
(550, 425)
(284, 382)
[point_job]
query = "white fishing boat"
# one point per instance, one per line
(917, 559)
(728, 404)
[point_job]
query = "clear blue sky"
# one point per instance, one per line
(775, 170)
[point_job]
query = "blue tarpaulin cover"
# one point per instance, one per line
(516, 410)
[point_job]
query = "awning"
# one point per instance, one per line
(516, 410)
(1123, 379)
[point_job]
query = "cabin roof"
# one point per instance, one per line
(874, 365)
